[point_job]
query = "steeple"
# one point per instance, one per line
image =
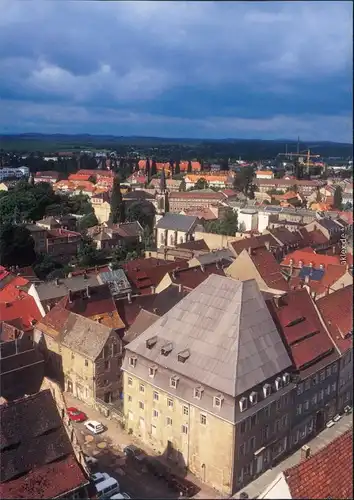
(163, 182)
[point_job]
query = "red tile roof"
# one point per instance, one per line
(16, 304)
(129, 310)
(191, 277)
(326, 474)
(79, 177)
(269, 269)
(253, 242)
(308, 255)
(337, 311)
(332, 274)
(299, 322)
(47, 481)
(144, 274)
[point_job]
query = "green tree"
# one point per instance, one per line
(228, 226)
(177, 168)
(87, 221)
(182, 186)
(16, 246)
(141, 211)
(189, 168)
(117, 204)
(243, 180)
(338, 198)
(88, 255)
(45, 265)
(119, 255)
(201, 184)
(153, 170)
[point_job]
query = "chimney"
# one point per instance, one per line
(305, 452)
(278, 301)
(249, 250)
(180, 288)
(129, 297)
(88, 295)
(152, 288)
(70, 297)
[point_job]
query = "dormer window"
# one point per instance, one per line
(152, 371)
(183, 356)
(217, 401)
(253, 398)
(278, 383)
(174, 381)
(243, 404)
(151, 342)
(198, 392)
(267, 390)
(166, 349)
(286, 378)
(132, 361)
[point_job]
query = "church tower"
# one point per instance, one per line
(162, 196)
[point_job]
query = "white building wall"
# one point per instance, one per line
(277, 490)
(263, 221)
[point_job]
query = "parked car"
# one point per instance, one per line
(121, 496)
(94, 427)
(107, 488)
(99, 476)
(76, 415)
(132, 451)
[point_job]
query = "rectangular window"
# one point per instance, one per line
(321, 395)
(306, 405)
(130, 399)
(265, 432)
(242, 450)
(328, 371)
(141, 405)
(334, 368)
(153, 430)
(307, 384)
(156, 396)
(184, 429)
(253, 420)
(334, 386)
(252, 443)
(299, 409)
(266, 411)
(86, 362)
(328, 390)
(170, 403)
(130, 381)
(185, 410)
(141, 388)
(322, 375)
(296, 437)
(300, 389)
(278, 404)
(155, 413)
(203, 419)
(168, 421)
(314, 399)
(315, 380)
(243, 427)
(284, 420)
(276, 426)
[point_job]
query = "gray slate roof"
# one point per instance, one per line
(233, 342)
(50, 290)
(143, 320)
(216, 256)
(176, 222)
(117, 281)
(85, 336)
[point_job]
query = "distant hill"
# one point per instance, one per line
(246, 148)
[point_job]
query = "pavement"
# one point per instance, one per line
(256, 487)
(108, 449)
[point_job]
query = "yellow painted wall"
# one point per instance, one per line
(207, 450)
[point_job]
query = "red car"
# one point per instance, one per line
(76, 415)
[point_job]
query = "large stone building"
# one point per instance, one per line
(173, 229)
(83, 355)
(205, 198)
(213, 369)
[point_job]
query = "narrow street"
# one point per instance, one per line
(107, 448)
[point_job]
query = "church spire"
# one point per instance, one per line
(163, 181)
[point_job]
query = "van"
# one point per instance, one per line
(107, 488)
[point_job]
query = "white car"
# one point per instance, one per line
(94, 427)
(120, 496)
(99, 476)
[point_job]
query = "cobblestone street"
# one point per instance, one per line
(107, 448)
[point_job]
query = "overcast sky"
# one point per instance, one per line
(177, 69)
